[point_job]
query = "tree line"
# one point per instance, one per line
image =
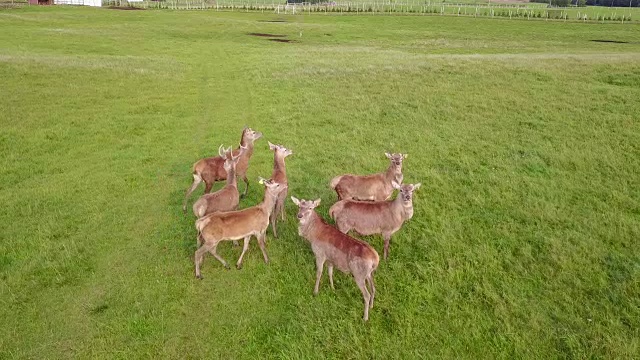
(609, 3)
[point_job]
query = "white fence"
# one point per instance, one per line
(78, 2)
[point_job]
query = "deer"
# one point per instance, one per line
(376, 187)
(346, 253)
(211, 169)
(279, 175)
(227, 198)
(235, 225)
(376, 217)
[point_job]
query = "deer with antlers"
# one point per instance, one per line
(212, 169)
(235, 225)
(376, 187)
(376, 217)
(279, 175)
(337, 249)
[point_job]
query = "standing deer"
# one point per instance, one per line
(227, 198)
(340, 250)
(377, 217)
(235, 225)
(279, 175)
(376, 187)
(211, 169)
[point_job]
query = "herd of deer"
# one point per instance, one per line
(363, 206)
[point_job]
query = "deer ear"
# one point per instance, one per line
(416, 186)
(261, 180)
(395, 185)
(295, 200)
(316, 203)
(271, 146)
(388, 155)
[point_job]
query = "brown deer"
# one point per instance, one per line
(235, 225)
(376, 187)
(227, 198)
(279, 175)
(340, 250)
(211, 169)
(376, 217)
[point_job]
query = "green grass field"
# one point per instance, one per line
(525, 136)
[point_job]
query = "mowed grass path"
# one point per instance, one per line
(525, 136)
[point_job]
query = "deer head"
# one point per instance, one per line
(249, 136)
(272, 188)
(280, 150)
(230, 161)
(305, 208)
(396, 160)
(406, 191)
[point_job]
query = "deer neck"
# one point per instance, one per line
(307, 229)
(406, 209)
(248, 151)
(231, 177)
(394, 174)
(279, 167)
(268, 203)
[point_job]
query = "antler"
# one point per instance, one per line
(221, 151)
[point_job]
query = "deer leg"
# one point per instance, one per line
(199, 239)
(246, 188)
(244, 250)
(274, 219)
(366, 296)
(330, 271)
(207, 186)
(196, 181)
(281, 199)
(319, 268)
(373, 290)
(213, 252)
(387, 239)
(198, 258)
(261, 243)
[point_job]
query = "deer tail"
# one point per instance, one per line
(334, 182)
(335, 208)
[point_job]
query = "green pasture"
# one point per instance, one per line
(525, 136)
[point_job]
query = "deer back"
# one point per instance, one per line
(233, 225)
(345, 252)
(210, 169)
(366, 217)
(225, 199)
(364, 187)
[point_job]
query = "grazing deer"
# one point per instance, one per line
(280, 176)
(211, 169)
(376, 187)
(376, 217)
(340, 250)
(235, 225)
(227, 198)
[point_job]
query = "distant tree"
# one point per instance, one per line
(554, 3)
(614, 3)
(611, 3)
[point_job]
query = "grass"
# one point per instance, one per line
(524, 242)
